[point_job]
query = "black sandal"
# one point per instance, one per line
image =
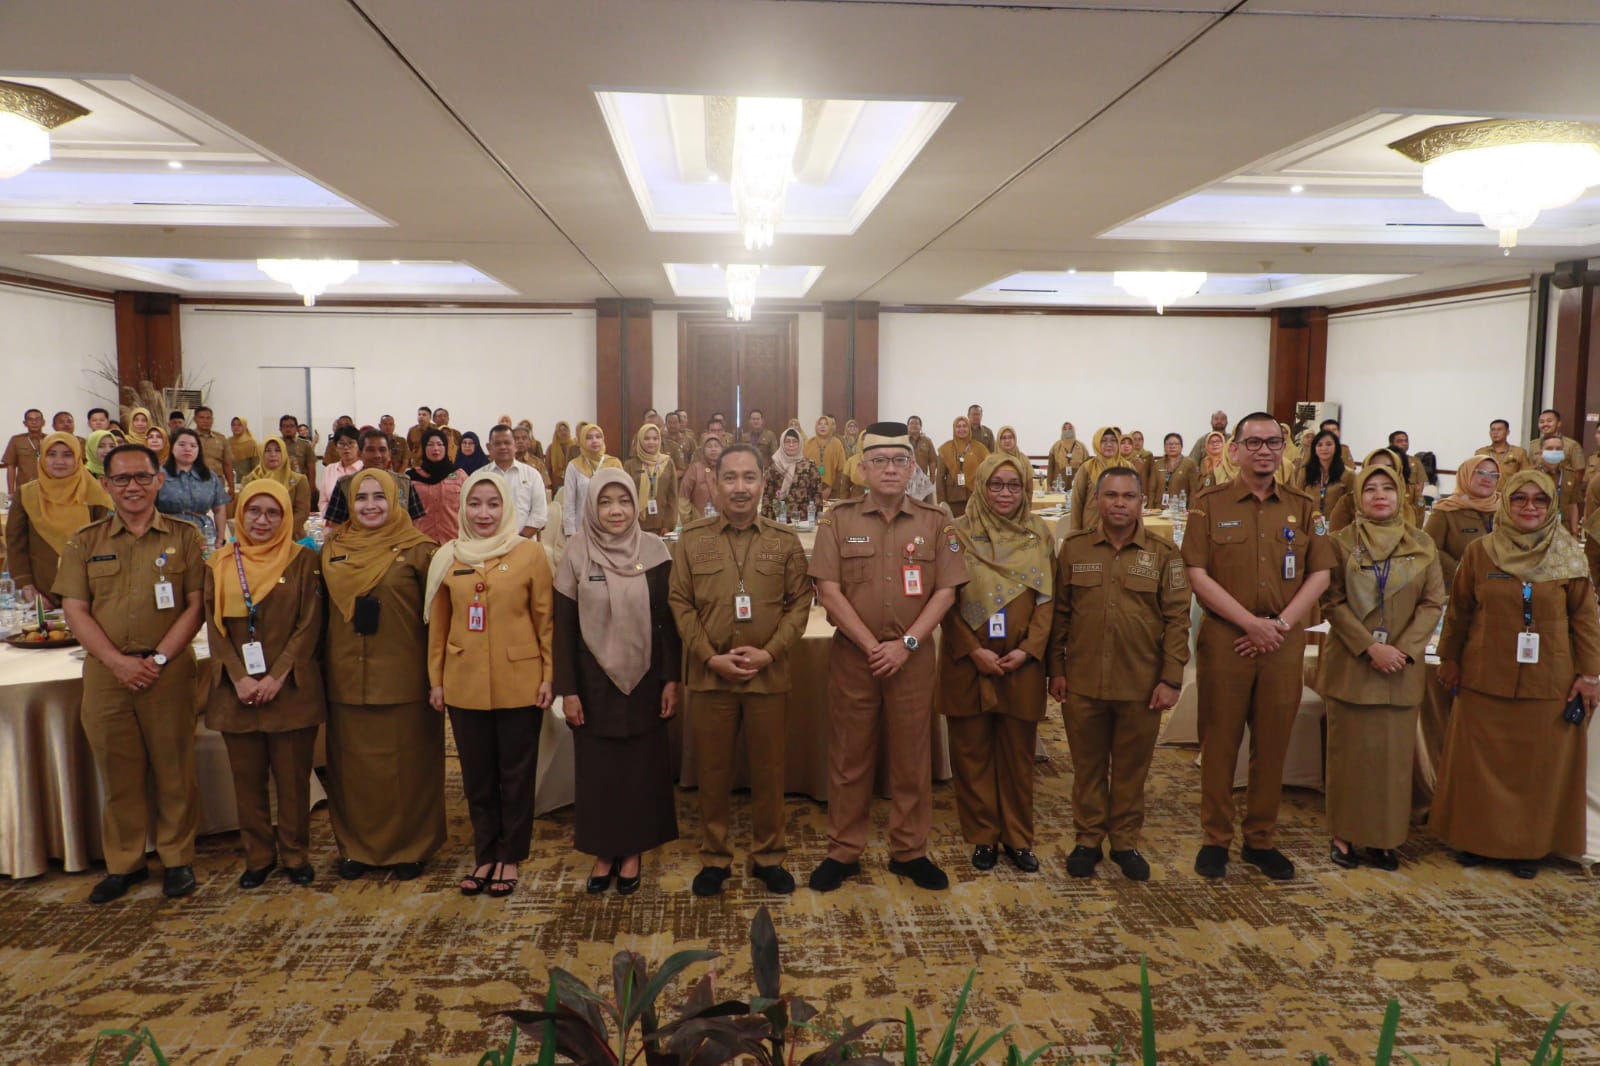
(472, 884)
(501, 887)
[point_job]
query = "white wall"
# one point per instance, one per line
(50, 346)
(480, 364)
(664, 362)
(1440, 372)
(1158, 374)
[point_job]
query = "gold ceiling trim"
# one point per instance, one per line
(720, 117)
(40, 106)
(1436, 141)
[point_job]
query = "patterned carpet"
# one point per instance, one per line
(379, 971)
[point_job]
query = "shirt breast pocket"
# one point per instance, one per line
(104, 574)
(1086, 579)
(705, 565)
(855, 562)
(1230, 534)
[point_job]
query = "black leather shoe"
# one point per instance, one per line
(627, 886)
(598, 883)
(984, 857)
(779, 882)
(1527, 869)
(1212, 861)
(1022, 858)
(1469, 858)
(1270, 861)
(256, 878)
(830, 874)
(1384, 858)
(708, 882)
(350, 869)
(922, 871)
(407, 871)
(1083, 860)
(178, 881)
(302, 875)
(1132, 864)
(114, 886)
(1346, 859)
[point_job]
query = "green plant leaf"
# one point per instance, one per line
(1540, 1055)
(911, 1040)
(1033, 1055)
(982, 1049)
(1147, 1015)
(575, 1038)
(583, 1001)
(947, 1040)
(670, 969)
(1391, 1022)
(764, 953)
(547, 1046)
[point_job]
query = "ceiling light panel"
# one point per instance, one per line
(1060, 288)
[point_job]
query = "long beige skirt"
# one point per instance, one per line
(1370, 751)
(1512, 784)
(386, 781)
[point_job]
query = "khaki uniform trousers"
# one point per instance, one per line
(718, 719)
(1263, 693)
(991, 756)
(134, 735)
(860, 707)
(1112, 744)
(286, 757)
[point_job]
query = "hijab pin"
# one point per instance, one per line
(504, 568)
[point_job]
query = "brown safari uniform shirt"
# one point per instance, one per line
(22, 453)
(214, 450)
(863, 548)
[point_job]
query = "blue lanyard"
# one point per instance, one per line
(1382, 576)
(1527, 606)
(244, 587)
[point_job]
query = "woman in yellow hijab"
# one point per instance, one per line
(264, 624)
(589, 460)
(155, 438)
(245, 450)
(959, 460)
(827, 452)
(1106, 442)
(63, 500)
(1005, 443)
(139, 423)
(275, 466)
(562, 450)
(1216, 465)
(657, 480)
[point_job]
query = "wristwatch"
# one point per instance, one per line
(911, 642)
(159, 659)
(1589, 680)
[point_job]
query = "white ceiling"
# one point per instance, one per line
(474, 133)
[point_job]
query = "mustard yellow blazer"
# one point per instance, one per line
(504, 665)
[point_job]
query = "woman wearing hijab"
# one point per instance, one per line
(618, 665)
(851, 437)
(657, 480)
(588, 462)
(827, 453)
(155, 438)
(264, 624)
(959, 460)
(1005, 443)
(1384, 598)
(95, 449)
(1106, 442)
(1217, 466)
(1143, 463)
(699, 481)
(1066, 455)
(1521, 645)
(244, 450)
(275, 467)
(48, 510)
(139, 423)
(470, 456)
(385, 744)
(438, 484)
(488, 609)
(1468, 513)
(562, 452)
(1322, 476)
(792, 483)
(1344, 512)
(991, 662)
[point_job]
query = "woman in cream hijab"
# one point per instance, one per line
(1512, 785)
(243, 449)
(1385, 596)
(1005, 443)
(1216, 465)
(657, 480)
(61, 501)
(274, 466)
(618, 661)
(959, 460)
(827, 452)
(589, 460)
(1066, 455)
(1468, 513)
(1106, 442)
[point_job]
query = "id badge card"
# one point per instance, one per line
(1527, 647)
(651, 506)
(911, 573)
(255, 658)
(961, 479)
(165, 600)
(997, 625)
(1380, 636)
(477, 617)
(1289, 569)
(742, 611)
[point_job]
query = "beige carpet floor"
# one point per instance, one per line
(1243, 971)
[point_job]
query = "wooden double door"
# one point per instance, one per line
(734, 367)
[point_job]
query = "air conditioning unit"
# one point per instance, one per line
(1312, 413)
(185, 400)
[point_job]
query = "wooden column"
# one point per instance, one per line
(1297, 365)
(1576, 384)
(149, 342)
(624, 386)
(850, 360)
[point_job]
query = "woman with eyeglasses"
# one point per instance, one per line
(1466, 514)
(192, 493)
(792, 482)
(1106, 443)
(1521, 647)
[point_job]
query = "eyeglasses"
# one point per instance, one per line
(899, 462)
(122, 481)
(1005, 486)
(1255, 444)
(1520, 500)
(1488, 475)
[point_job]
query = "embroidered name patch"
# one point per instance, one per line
(1144, 571)
(1086, 568)
(1230, 525)
(102, 558)
(1497, 573)
(461, 573)
(858, 540)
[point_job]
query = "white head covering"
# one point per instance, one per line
(469, 548)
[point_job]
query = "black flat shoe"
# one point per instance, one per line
(302, 875)
(1527, 869)
(708, 882)
(984, 857)
(922, 871)
(1211, 861)
(830, 874)
(1132, 864)
(1022, 858)
(1347, 859)
(1083, 860)
(350, 869)
(1469, 858)
(627, 886)
(114, 886)
(1384, 858)
(779, 882)
(178, 881)
(1270, 861)
(407, 871)
(598, 883)
(256, 878)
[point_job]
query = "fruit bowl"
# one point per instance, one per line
(54, 635)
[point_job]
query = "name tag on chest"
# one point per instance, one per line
(165, 598)
(255, 658)
(742, 609)
(911, 575)
(477, 617)
(1527, 647)
(997, 625)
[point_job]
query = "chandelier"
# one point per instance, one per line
(308, 277)
(766, 132)
(1160, 287)
(27, 115)
(741, 290)
(1506, 171)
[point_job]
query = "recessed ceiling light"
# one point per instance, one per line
(174, 164)
(1297, 189)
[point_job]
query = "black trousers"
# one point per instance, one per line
(499, 752)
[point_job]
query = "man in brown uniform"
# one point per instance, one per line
(757, 434)
(21, 458)
(923, 450)
(741, 597)
(214, 447)
(1416, 476)
(131, 586)
(302, 453)
(414, 434)
(1117, 653)
(1550, 423)
(399, 453)
(1510, 457)
(441, 422)
(887, 568)
(1258, 558)
(980, 432)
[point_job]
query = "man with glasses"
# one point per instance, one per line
(1257, 560)
(131, 586)
(887, 568)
